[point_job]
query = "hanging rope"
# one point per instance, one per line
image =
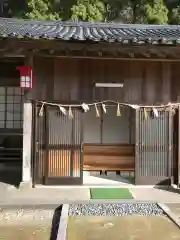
(103, 105)
(86, 106)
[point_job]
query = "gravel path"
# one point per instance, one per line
(122, 209)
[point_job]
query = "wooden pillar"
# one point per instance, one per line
(27, 134)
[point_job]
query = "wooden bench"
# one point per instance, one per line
(119, 157)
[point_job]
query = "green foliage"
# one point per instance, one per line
(138, 11)
(88, 10)
(174, 11)
(157, 12)
(17, 9)
(124, 11)
(42, 10)
(175, 15)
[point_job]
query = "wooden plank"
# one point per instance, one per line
(109, 157)
(109, 149)
(166, 82)
(44, 81)
(151, 79)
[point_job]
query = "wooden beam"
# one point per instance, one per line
(115, 53)
(81, 49)
(173, 54)
(106, 55)
(115, 58)
(60, 45)
(159, 54)
(131, 54)
(146, 54)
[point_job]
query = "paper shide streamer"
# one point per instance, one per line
(70, 113)
(97, 111)
(63, 110)
(104, 107)
(86, 107)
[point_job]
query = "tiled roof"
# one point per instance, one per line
(86, 31)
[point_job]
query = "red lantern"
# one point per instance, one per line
(26, 76)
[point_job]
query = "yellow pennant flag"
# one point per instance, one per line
(145, 114)
(118, 111)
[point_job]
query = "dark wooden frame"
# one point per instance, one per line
(176, 146)
(73, 49)
(53, 49)
(158, 180)
(60, 180)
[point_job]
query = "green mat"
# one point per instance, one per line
(110, 193)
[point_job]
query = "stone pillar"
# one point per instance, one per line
(27, 134)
